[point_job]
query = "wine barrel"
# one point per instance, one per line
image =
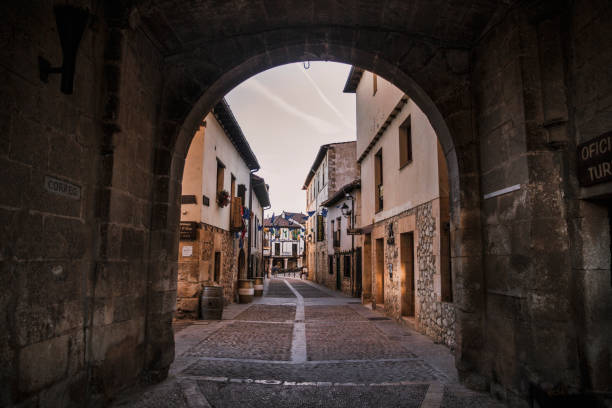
(245, 290)
(211, 303)
(259, 286)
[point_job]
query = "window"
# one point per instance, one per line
(333, 232)
(347, 265)
(217, 266)
(242, 193)
(374, 84)
(405, 143)
(337, 232)
(320, 228)
(378, 180)
(220, 174)
(330, 260)
(324, 170)
(294, 250)
(233, 187)
(277, 249)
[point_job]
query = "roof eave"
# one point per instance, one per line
(228, 122)
(353, 79)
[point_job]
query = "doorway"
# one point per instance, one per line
(358, 283)
(338, 274)
(367, 268)
(380, 271)
(241, 265)
(407, 273)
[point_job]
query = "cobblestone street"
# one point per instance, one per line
(302, 345)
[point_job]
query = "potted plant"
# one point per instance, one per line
(223, 198)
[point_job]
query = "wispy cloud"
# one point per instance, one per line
(321, 125)
(325, 98)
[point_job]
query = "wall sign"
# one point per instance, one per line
(63, 188)
(594, 160)
(189, 230)
(187, 251)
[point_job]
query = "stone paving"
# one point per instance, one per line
(267, 313)
(276, 288)
(303, 345)
(258, 341)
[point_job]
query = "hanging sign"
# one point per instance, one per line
(354, 231)
(594, 159)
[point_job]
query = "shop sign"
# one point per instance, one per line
(189, 230)
(594, 160)
(187, 251)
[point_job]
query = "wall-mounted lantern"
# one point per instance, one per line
(346, 211)
(71, 22)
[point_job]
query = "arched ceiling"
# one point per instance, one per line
(178, 26)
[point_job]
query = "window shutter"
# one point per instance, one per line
(236, 214)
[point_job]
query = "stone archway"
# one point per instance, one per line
(448, 117)
(511, 87)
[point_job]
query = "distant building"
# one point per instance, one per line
(260, 202)
(404, 208)
(219, 213)
(333, 167)
(344, 244)
(284, 241)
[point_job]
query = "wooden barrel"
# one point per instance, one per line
(211, 303)
(245, 290)
(259, 286)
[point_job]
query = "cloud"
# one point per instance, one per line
(325, 99)
(321, 125)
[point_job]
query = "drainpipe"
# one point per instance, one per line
(262, 240)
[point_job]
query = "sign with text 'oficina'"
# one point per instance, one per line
(595, 160)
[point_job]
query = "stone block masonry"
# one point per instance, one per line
(510, 88)
(197, 269)
(432, 316)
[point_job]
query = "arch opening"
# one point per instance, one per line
(461, 215)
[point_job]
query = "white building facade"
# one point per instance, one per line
(404, 209)
(216, 225)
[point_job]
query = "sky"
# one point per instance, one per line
(286, 113)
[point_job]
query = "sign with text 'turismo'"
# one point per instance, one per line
(595, 160)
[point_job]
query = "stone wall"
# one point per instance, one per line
(432, 316)
(89, 285)
(435, 318)
(197, 270)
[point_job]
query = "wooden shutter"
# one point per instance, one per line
(236, 214)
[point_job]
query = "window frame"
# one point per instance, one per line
(220, 176)
(405, 143)
(379, 202)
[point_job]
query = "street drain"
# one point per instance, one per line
(378, 318)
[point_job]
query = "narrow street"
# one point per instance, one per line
(304, 345)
